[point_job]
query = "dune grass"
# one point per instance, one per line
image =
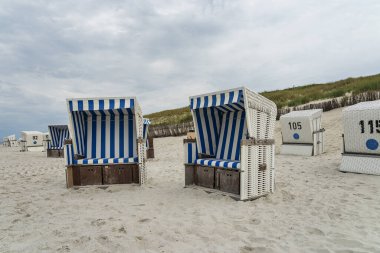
(287, 97)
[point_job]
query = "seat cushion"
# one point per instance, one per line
(218, 163)
(107, 160)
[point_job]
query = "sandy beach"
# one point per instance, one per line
(315, 208)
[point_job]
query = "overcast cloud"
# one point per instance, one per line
(164, 51)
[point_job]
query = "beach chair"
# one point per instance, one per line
(31, 141)
(148, 140)
(302, 133)
(10, 141)
(361, 138)
(58, 134)
(46, 140)
(107, 145)
(233, 148)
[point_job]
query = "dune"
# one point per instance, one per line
(315, 208)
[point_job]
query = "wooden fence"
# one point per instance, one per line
(183, 128)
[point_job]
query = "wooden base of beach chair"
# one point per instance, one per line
(221, 179)
(150, 153)
(55, 153)
(81, 175)
(121, 174)
(84, 175)
(228, 181)
(189, 175)
(205, 176)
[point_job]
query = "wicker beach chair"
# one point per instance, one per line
(361, 138)
(302, 133)
(233, 149)
(107, 145)
(58, 134)
(31, 141)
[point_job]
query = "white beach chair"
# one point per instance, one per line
(58, 134)
(302, 133)
(361, 138)
(107, 144)
(31, 141)
(10, 141)
(234, 147)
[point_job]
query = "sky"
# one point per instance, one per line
(162, 52)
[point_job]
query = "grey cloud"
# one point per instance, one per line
(164, 51)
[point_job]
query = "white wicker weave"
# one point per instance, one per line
(302, 133)
(361, 128)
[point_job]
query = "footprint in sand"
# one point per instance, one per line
(247, 249)
(315, 231)
(144, 220)
(98, 222)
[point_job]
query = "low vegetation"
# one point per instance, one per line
(286, 98)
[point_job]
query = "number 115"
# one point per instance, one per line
(371, 126)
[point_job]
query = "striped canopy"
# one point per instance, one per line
(58, 134)
(220, 123)
(103, 127)
(230, 100)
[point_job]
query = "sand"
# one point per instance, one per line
(315, 208)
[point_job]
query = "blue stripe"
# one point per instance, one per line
(132, 104)
(208, 131)
(206, 102)
(91, 105)
(103, 135)
(80, 105)
(200, 130)
(240, 136)
(231, 98)
(101, 104)
(130, 136)
(213, 100)
(112, 104)
(191, 103)
(71, 106)
(232, 135)
(189, 153)
(94, 133)
(75, 122)
(198, 102)
(122, 103)
(215, 124)
(222, 97)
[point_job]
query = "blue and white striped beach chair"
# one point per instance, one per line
(234, 146)
(58, 134)
(106, 132)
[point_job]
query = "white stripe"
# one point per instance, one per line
(89, 136)
(108, 136)
(98, 136)
(126, 125)
(117, 136)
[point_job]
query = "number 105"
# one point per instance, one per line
(371, 124)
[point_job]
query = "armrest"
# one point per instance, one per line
(68, 150)
(190, 151)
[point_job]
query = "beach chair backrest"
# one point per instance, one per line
(58, 135)
(233, 130)
(104, 128)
